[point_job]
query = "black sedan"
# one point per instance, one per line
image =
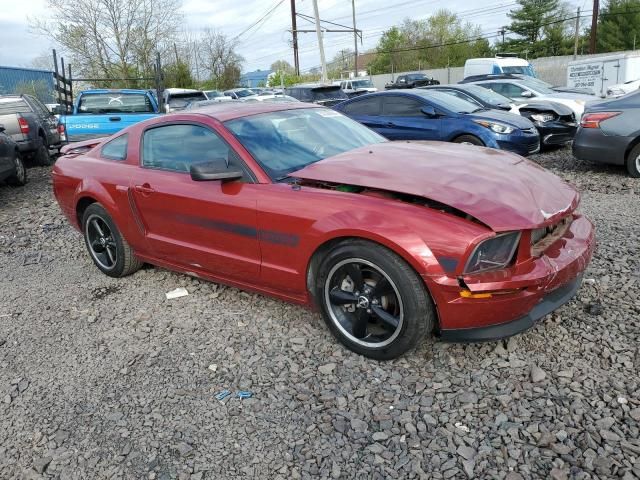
(12, 169)
(610, 133)
(555, 122)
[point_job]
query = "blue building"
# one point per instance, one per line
(255, 79)
(27, 80)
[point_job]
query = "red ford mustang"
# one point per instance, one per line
(390, 240)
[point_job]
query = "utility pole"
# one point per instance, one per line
(594, 26)
(355, 39)
(294, 31)
(577, 35)
(175, 51)
(502, 31)
(320, 44)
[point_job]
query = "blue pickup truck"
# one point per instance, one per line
(100, 113)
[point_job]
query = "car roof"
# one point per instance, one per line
(181, 90)
(315, 86)
(113, 90)
(224, 111)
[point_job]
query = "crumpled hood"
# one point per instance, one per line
(502, 190)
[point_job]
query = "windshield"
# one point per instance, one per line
(486, 95)
(286, 141)
(181, 100)
(13, 105)
(447, 101)
(416, 76)
(213, 94)
(328, 93)
(522, 70)
(115, 102)
(362, 83)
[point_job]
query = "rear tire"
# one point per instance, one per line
(633, 162)
(41, 155)
(468, 140)
(19, 178)
(373, 302)
(107, 248)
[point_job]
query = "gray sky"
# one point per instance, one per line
(270, 40)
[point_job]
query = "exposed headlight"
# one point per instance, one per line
(494, 253)
(496, 127)
(542, 117)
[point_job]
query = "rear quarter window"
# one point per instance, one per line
(116, 149)
(13, 105)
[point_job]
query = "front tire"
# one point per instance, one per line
(19, 178)
(107, 248)
(468, 140)
(633, 162)
(373, 302)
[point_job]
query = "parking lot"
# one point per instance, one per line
(105, 378)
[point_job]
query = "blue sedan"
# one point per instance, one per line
(433, 115)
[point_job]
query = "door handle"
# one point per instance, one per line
(114, 119)
(144, 189)
(391, 124)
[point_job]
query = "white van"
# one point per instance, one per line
(497, 66)
(599, 73)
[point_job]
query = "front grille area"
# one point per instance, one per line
(543, 238)
(532, 130)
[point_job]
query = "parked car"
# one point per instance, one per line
(357, 86)
(302, 203)
(556, 123)
(31, 125)
(411, 80)
(176, 99)
(610, 133)
(100, 113)
(237, 93)
(269, 98)
(623, 88)
(421, 114)
(325, 95)
(523, 90)
(498, 65)
(12, 168)
(532, 81)
(215, 95)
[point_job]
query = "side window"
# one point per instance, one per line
(349, 85)
(177, 147)
(369, 106)
(402, 79)
(306, 95)
(39, 107)
(116, 149)
(343, 85)
(401, 107)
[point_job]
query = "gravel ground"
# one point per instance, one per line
(105, 378)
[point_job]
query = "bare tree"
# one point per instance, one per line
(218, 57)
(111, 38)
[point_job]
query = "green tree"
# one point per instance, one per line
(619, 26)
(37, 88)
(542, 28)
(178, 75)
(442, 39)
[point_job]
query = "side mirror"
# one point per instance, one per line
(429, 111)
(527, 94)
(2, 129)
(216, 170)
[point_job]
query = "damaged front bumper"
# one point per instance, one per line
(516, 298)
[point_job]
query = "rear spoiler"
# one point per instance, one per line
(77, 148)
